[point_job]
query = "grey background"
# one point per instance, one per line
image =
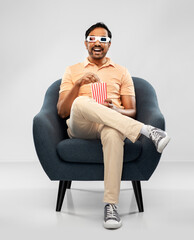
(39, 38)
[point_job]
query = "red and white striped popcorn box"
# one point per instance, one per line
(99, 91)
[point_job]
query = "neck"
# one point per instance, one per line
(98, 62)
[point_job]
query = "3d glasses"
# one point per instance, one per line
(95, 38)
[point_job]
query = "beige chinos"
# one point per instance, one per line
(90, 120)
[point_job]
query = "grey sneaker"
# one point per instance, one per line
(159, 137)
(111, 217)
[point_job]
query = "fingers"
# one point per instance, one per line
(93, 78)
(108, 100)
(107, 104)
(90, 78)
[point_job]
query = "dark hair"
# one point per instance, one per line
(98, 25)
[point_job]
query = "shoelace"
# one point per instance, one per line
(112, 211)
(155, 135)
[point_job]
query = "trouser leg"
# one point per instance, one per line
(78, 125)
(91, 120)
(112, 142)
(86, 114)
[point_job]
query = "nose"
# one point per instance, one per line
(97, 42)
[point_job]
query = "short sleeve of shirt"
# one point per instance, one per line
(127, 86)
(66, 82)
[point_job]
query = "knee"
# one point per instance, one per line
(79, 101)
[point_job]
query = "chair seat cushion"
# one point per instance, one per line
(90, 151)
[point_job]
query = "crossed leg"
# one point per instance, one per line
(90, 120)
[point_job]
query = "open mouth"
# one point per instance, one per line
(97, 50)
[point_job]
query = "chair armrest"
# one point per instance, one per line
(48, 131)
(151, 116)
(149, 158)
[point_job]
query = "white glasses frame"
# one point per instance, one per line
(107, 39)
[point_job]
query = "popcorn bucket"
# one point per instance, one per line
(99, 91)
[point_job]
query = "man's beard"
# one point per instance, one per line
(92, 54)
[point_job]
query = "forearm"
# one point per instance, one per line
(66, 99)
(127, 112)
(65, 103)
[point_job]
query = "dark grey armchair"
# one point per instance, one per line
(67, 160)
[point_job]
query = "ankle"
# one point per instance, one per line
(144, 131)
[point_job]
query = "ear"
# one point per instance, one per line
(109, 44)
(86, 44)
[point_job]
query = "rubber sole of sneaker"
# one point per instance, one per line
(112, 224)
(163, 144)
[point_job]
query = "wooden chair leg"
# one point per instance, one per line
(61, 194)
(138, 194)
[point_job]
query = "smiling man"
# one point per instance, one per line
(112, 121)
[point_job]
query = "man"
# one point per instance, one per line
(111, 121)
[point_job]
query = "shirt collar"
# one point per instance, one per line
(109, 62)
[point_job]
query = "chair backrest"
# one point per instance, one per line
(146, 98)
(51, 96)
